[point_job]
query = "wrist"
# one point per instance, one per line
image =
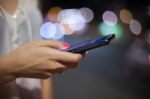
(7, 69)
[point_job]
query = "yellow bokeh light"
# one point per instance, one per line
(126, 16)
(53, 14)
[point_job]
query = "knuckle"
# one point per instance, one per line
(60, 70)
(56, 68)
(46, 75)
(43, 75)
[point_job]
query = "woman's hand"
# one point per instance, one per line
(39, 59)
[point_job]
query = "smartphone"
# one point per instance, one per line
(91, 44)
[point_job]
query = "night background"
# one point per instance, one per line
(120, 70)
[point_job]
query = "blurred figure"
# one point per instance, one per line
(20, 22)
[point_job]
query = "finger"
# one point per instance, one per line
(55, 67)
(40, 75)
(66, 56)
(70, 65)
(84, 54)
(52, 44)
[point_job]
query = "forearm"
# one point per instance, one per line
(47, 92)
(6, 70)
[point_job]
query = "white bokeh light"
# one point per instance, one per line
(67, 16)
(87, 13)
(48, 30)
(135, 27)
(78, 26)
(110, 18)
(72, 19)
(60, 31)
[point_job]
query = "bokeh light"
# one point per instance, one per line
(79, 26)
(53, 14)
(59, 32)
(69, 16)
(67, 30)
(60, 22)
(135, 27)
(87, 13)
(126, 16)
(110, 18)
(106, 29)
(48, 30)
(72, 20)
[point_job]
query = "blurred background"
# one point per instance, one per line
(120, 70)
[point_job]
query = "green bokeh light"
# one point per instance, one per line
(107, 29)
